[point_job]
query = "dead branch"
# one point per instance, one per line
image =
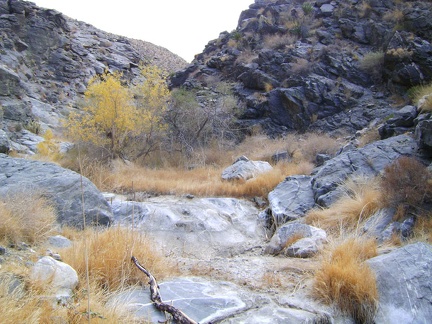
(178, 315)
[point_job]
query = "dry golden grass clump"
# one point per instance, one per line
(25, 217)
(200, 173)
(109, 258)
(346, 281)
(422, 97)
(24, 304)
(110, 271)
(204, 181)
(362, 200)
(423, 229)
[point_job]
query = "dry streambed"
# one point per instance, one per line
(219, 244)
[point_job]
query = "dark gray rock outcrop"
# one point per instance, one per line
(61, 186)
(4, 142)
(423, 133)
(404, 285)
(367, 161)
(294, 74)
(296, 195)
(400, 122)
(291, 199)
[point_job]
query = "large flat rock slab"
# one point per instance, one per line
(201, 300)
(198, 226)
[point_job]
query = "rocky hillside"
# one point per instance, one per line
(323, 65)
(47, 58)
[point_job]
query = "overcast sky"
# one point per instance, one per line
(182, 26)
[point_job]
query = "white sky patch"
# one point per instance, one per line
(182, 26)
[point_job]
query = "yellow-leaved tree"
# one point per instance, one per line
(122, 120)
(108, 117)
(151, 99)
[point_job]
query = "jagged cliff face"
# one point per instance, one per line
(319, 65)
(46, 60)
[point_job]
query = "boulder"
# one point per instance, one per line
(56, 277)
(366, 161)
(377, 224)
(291, 199)
(401, 122)
(245, 169)
(59, 241)
(423, 134)
(4, 142)
(404, 285)
(61, 186)
(326, 10)
(9, 82)
(298, 240)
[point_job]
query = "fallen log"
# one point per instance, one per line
(178, 316)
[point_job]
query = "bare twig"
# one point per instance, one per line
(178, 315)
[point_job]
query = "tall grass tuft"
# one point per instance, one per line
(361, 200)
(346, 281)
(28, 305)
(109, 264)
(422, 97)
(25, 217)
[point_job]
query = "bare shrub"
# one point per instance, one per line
(345, 280)
(406, 182)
